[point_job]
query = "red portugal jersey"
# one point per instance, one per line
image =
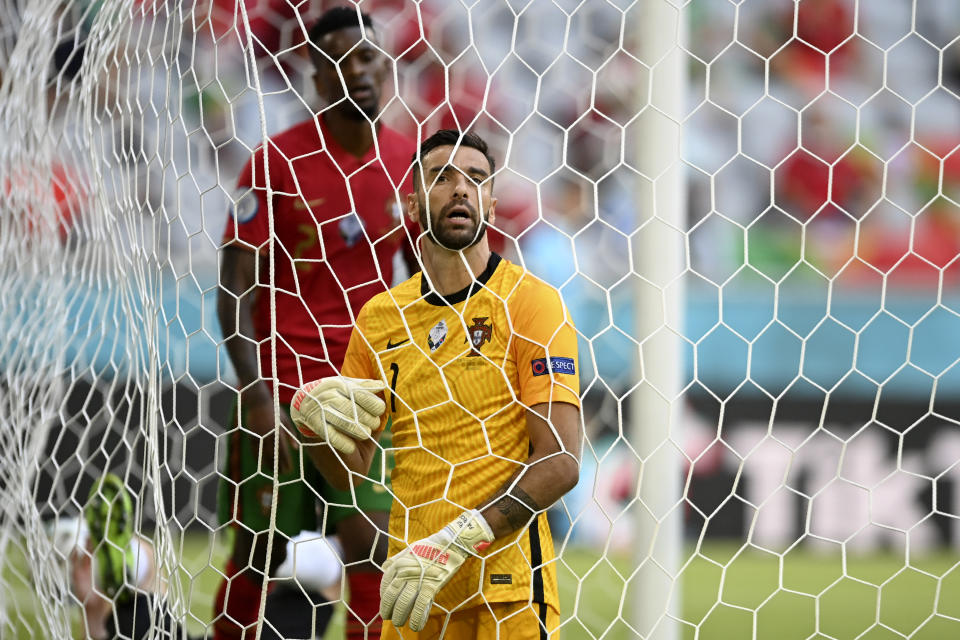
(337, 224)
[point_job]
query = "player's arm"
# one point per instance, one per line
(240, 263)
(551, 470)
(546, 336)
(235, 305)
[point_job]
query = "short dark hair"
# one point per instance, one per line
(450, 138)
(335, 19)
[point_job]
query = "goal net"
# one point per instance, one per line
(751, 209)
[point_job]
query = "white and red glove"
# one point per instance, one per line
(338, 410)
(412, 578)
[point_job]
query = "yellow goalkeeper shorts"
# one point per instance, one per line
(496, 621)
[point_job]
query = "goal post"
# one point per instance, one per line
(656, 409)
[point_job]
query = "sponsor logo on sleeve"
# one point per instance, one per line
(557, 365)
(245, 205)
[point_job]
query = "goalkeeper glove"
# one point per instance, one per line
(338, 410)
(412, 578)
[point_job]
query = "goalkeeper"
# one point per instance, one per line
(474, 364)
(336, 229)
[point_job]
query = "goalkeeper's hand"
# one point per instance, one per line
(338, 410)
(412, 578)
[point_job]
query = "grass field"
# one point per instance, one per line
(727, 594)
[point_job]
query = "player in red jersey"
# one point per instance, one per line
(332, 186)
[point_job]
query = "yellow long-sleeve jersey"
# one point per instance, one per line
(462, 371)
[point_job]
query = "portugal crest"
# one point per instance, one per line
(479, 333)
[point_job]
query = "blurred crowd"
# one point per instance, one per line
(819, 138)
(828, 131)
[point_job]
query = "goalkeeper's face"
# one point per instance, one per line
(350, 72)
(453, 201)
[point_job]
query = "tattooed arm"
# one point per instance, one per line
(551, 469)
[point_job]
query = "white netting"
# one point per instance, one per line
(752, 210)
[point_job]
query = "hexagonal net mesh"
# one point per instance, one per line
(749, 207)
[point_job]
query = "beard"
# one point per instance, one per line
(443, 236)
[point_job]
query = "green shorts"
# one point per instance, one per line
(306, 502)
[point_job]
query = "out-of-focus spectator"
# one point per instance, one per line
(585, 257)
(921, 249)
(802, 40)
(825, 187)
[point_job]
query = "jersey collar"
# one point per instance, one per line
(434, 298)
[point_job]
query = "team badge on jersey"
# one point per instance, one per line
(437, 335)
(245, 205)
(557, 365)
(479, 333)
(351, 229)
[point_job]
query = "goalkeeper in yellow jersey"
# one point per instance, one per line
(473, 361)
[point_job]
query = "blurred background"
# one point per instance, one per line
(820, 329)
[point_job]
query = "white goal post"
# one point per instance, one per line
(751, 209)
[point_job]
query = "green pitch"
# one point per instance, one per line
(728, 593)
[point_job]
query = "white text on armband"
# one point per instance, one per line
(557, 365)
